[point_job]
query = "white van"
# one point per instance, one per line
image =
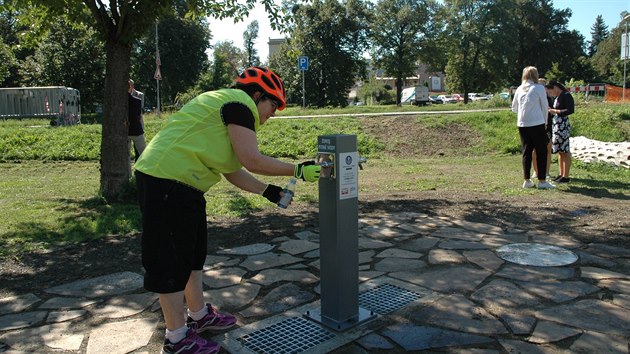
(418, 95)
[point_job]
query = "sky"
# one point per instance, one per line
(583, 18)
(227, 30)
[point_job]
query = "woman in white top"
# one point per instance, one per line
(530, 104)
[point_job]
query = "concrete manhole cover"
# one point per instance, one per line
(536, 254)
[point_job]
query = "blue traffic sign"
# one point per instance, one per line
(303, 63)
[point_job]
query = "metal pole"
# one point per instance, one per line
(625, 59)
(303, 91)
(157, 81)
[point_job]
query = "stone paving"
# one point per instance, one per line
(468, 299)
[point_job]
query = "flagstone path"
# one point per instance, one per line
(469, 299)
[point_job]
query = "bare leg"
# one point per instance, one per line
(567, 163)
(564, 160)
(173, 309)
(173, 303)
(194, 291)
(548, 159)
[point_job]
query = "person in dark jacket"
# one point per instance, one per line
(563, 107)
(549, 126)
(134, 121)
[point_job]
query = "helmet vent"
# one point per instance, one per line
(268, 82)
(275, 79)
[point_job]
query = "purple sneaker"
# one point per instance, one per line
(191, 344)
(213, 321)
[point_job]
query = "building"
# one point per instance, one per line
(433, 80)
(274, 45)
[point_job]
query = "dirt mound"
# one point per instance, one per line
(406, 138)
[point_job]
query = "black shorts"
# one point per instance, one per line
(174, 232)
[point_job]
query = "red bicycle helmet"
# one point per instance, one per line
(267, 80)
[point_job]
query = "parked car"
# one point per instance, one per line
(473, 96)
(458, 97)
(434, 99)
(447, 99)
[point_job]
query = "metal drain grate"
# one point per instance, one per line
(386, 298)
(293, 335)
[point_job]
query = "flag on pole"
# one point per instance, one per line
(158, 74)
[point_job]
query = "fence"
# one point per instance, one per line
(59, 103)
(615, 94)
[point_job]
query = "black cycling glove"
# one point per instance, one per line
(272, 193)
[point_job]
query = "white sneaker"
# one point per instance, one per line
(528, 184)
(545, 185)
(534, 175)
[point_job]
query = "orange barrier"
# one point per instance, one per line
(615, 94)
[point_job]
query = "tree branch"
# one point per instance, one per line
(100, 14)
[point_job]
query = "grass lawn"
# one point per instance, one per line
(50, 204)
(49, 177)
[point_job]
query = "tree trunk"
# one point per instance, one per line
(115, 162)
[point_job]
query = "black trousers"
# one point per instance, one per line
(534, 138)
(174, 232)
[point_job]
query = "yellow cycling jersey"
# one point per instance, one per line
(194, 147)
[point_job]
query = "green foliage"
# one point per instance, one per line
(249, 40)
(7, 62)
(606, 61)
(56, 204)
(495, 102)
(599, 32)
(225, 66)
(373, 92)
(183, 44)
(119, 24)
(399, 33)
(601, 122)
(228, 61)
(69, 55)
(284, 63)
(476, 44)
(53, 203)
(498, 130)
(37, 140)
(285, 138)
(335, 52)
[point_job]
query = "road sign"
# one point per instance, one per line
(303, 63)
